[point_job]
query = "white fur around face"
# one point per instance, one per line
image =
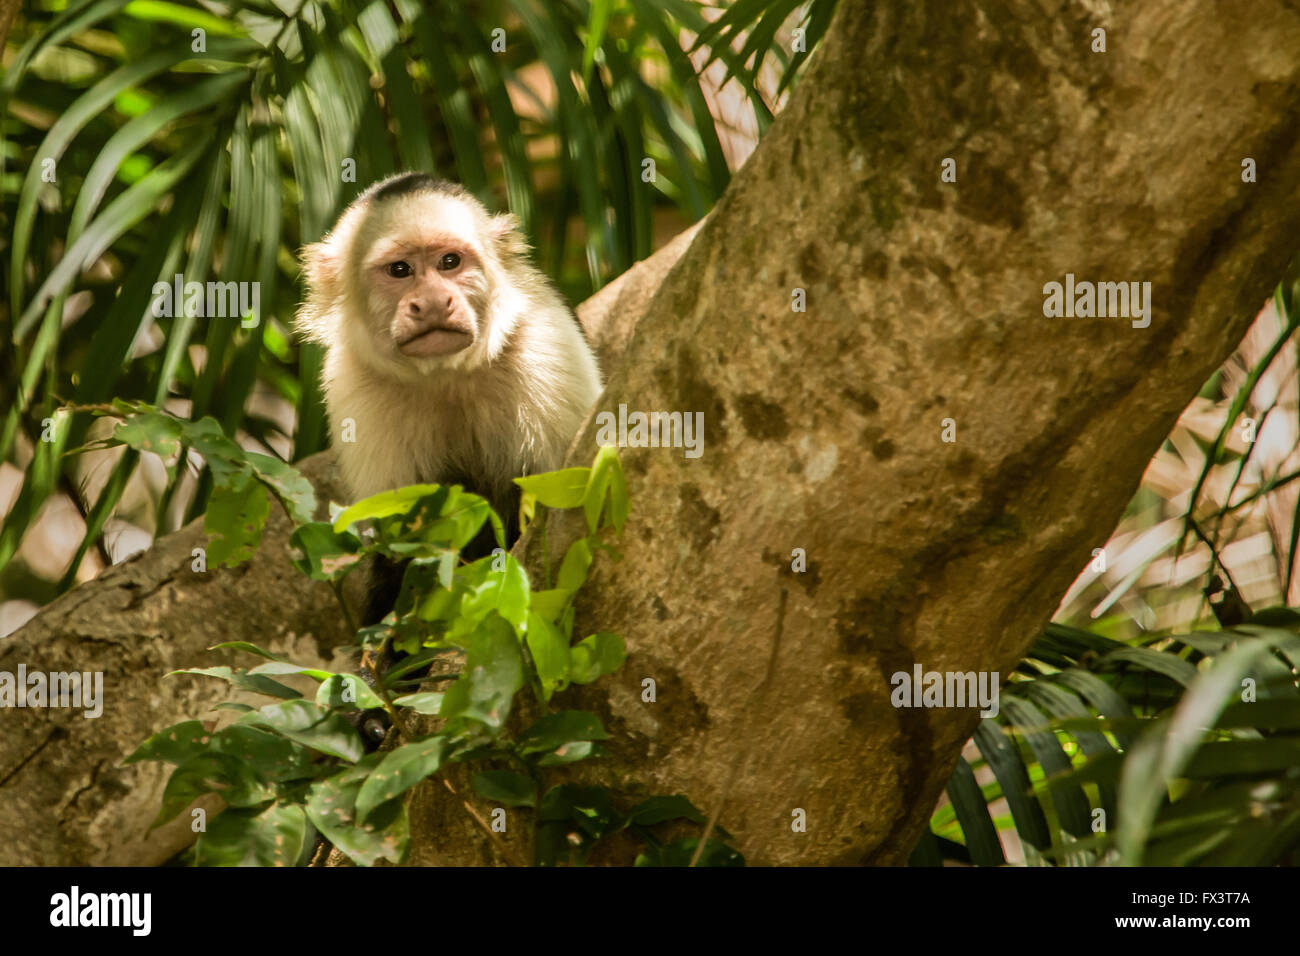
(506, 406)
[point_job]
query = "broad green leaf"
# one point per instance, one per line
(493, 674)
(475, 595)
(237, 836)
(506, 787)
(155, 432)
(447, 568)
(347, 691)
(557, 489)
(460, 522)
(505, 592)
(386, 503)
(323, 554)
(423, 585)
(555, 730)
(331, 807)
(177, 744)
(223, 456)
(618, 498)
(571, 752)
(281, 668)
(400, 770)
(422, 703)
(655, 810)
(271, 756)
(550, 653)
(550, 604)
(571, 812)
(574, 567)
(595, 656)
(290, 487)
(231, 778)
(237, 512)
(312, 726)
(605, 481)
(257, 684)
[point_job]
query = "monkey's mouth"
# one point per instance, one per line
(436, 340)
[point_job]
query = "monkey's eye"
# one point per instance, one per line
(449, 261)
(399, 270)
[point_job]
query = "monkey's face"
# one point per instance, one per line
(422, 271)
(416, 281)
(420, 295)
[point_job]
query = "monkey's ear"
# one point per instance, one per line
(320, 267)
(322, 278)
(507, 235)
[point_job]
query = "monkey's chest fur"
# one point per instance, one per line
(479, 429)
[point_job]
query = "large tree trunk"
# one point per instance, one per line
(925, 303)
(823, 428)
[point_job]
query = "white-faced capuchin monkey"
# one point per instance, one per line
(450, 357)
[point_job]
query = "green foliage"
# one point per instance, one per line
(1183, 749)
(296, 768)
(238, 505)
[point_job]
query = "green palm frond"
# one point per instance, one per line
(1185, 751)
